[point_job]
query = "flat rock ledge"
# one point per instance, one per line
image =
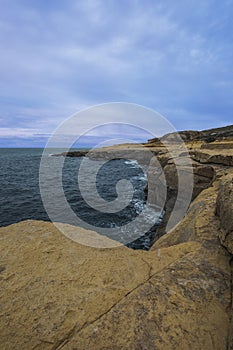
(58, 294)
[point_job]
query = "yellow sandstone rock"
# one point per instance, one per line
(58, 294)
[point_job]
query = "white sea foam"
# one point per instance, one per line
(131, 162)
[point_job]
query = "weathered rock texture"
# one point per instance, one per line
(207, 162)
(58, 294)
(224, 210)
(211, 135)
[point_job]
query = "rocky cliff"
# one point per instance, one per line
(58, 294)
(209, 161)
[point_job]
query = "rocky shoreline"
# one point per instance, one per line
(58, 294)
(209, 150)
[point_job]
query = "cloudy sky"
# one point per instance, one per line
(60, 56)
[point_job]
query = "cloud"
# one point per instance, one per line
(20, 132)
(58, 57)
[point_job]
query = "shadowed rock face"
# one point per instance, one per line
(203, 176)
(224, 209)
(216, 157)
(71, 154)
(208, 159)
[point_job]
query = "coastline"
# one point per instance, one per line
(177, 295)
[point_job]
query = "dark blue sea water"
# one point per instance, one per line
(20, 197)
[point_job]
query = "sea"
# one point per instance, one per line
(20, 197)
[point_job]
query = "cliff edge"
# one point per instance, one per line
(58, 294)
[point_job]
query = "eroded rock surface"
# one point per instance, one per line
(224, 210)
(57, 294)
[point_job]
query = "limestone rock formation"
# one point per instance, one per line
(205, 156)
(224, 210)
(58, 294)
(71, 154)
(211, 135)
(208, 161)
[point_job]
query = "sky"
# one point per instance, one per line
(59, 57)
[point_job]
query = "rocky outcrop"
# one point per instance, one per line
(224, 209)
(222, 158)
(217, 137)
(208, 160)
(58, 294)
(217, 145)
(71, 154)
(200, 223)
(211, 135)
(203, 177)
